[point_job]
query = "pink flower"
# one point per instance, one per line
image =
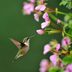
(42, 69)
(45, 24)
(32, 1)
(43, 65)
(58, 21)
(28, 8)
(69, 68)
(58, 47)
(40, 7)
(66, 41)
(61, 65)
(66, 71)
(53, 59)
(47, 48)
(36, 17)
(46, 17)
(40, 31)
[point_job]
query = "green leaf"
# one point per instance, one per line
(68, 29)
(68, 17)
(67, 3)
(63, 3)
(55, 69)
(70, 24)
(67, 59)
(70, 32)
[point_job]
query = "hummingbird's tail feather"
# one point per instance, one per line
(15, 59)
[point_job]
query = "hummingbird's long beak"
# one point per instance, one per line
(32, 36)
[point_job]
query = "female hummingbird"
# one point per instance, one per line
(23, 47)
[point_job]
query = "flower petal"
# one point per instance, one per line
(58, 21)
(40, 7)
(28, 8)
(43, 7)
(36, 17)
(46, 17)
(66, 41)
(53, 59)
(32, 1)
(40, 31)
(47, 48)
(43, 65)
(69, 68)
(58, 47)
(45, 24)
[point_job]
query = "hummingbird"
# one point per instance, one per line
(23, 47)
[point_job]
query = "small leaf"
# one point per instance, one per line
(70, 24)
(63, 3)
(67, 59)
(68, 17)
(55, 69)
(70, 32)
(67, 3)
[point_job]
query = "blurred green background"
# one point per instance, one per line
(13, 24)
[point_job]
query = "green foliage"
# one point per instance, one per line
(68, 17)
(67, 3)
(68, 24)
(55, 69)
(70, 32)
(67, 59)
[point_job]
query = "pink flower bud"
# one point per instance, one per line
(45, 24)
(32, 1)
(66, 41)
(53, 59)
(36, 17)
(58, 21)
(40, 7)
(58, 47)
(28, 8)
(69, 68)
(42, 69)
(40, 31)
(47, 48)
(46, 17)
(43, 65)
(66, 71)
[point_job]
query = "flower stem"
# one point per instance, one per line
(55, 18)
(52, 31)
(59, 12)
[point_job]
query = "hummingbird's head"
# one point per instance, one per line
(26, 39)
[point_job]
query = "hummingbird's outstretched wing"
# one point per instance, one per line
(16, 43)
